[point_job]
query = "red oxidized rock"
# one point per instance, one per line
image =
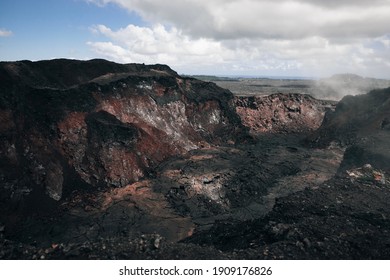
(97, 123)
(281, 113)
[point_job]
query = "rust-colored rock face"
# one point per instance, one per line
(281, 113)
(67, 124)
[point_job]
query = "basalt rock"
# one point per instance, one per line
(68, 124)
(360, 124)
(282, 113)
(356, 117)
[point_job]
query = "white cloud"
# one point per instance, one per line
(233, 19)
(344, 3)
(5, 33)
(298, 37)
(157, 45)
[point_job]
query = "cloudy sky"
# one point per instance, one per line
(313, 38)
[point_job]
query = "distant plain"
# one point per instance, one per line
(333, 88)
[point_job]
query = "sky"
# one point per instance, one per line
(308, 38)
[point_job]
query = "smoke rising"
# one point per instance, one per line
(338, 86)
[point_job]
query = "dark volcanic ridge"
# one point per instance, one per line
(100, 160)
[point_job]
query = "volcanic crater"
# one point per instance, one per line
(100, 160)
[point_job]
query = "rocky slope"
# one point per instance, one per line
(69, 125)
(282, 113)
(360, 123)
